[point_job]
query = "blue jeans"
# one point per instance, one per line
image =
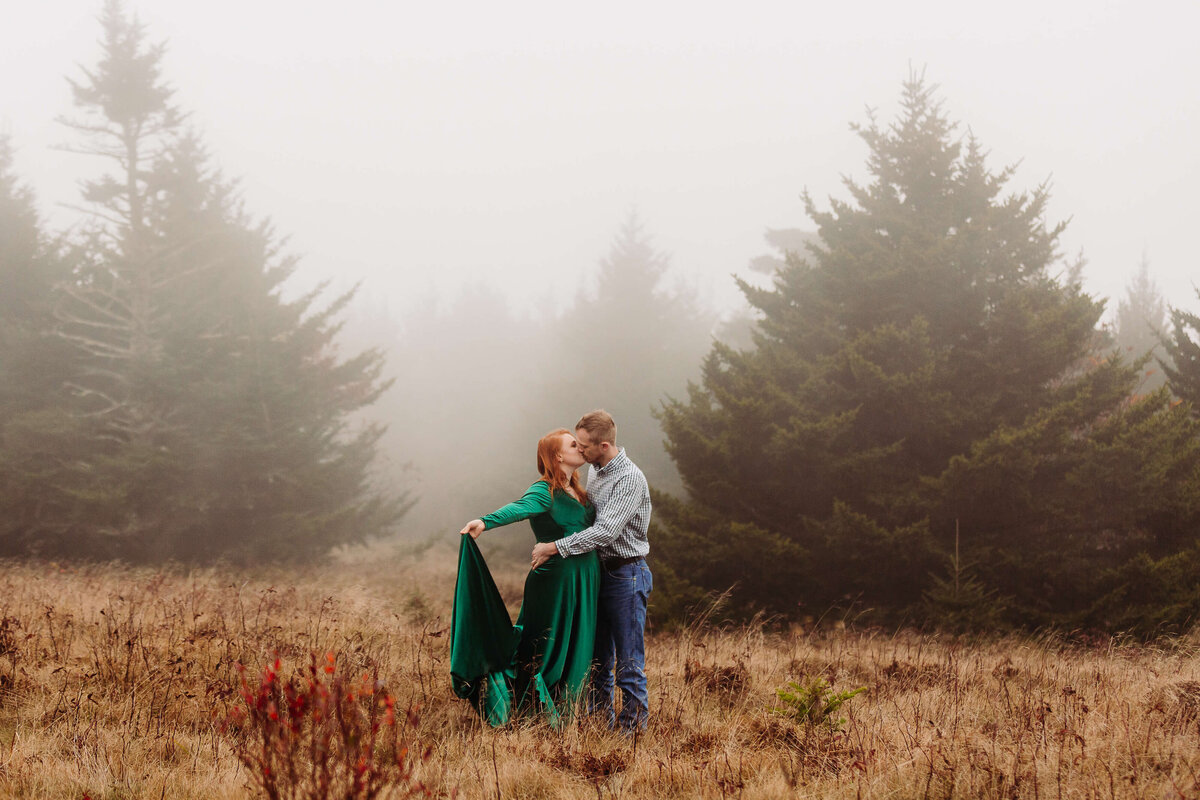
(621, 645)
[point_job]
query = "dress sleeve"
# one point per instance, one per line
(536, 500)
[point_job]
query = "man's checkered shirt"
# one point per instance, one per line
(622, 499)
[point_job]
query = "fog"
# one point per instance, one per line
(422, 148)
(457, 150)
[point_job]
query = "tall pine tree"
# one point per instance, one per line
(927, 323)
(215, 413)
(33, 367)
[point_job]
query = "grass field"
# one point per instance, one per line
(114, 683)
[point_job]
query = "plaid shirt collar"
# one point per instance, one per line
(611, 466)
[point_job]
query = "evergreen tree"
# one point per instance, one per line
(1181, 358)
(629, 343)
(1055, 507)
(924, 329)
(1140, 322)
(215, 413)
(736, 330)
(786, 242)
(29, 268)
(23, 249)
(958, 601)
(33, 366)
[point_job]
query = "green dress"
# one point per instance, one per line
(543, 661)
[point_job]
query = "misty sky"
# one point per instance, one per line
(424, 147)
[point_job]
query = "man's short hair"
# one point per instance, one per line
(599, 426)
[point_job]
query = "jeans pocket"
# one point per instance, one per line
(644, 580)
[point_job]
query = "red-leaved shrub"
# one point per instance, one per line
(320, 734)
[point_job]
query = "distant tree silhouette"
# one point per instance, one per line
(501, 379)
(629, 343)
(1140, 323)
(467, 417)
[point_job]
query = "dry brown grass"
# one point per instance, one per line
(113, 682)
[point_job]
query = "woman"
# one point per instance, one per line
(544, 660)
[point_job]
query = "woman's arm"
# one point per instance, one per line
(536, 500)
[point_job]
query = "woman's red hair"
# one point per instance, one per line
(547, 465)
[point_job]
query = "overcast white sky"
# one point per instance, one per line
(424, 146)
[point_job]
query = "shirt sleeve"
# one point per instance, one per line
(536, 500)
(623, 502)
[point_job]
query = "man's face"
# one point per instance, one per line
(589, 449)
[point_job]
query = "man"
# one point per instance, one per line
(619, 491)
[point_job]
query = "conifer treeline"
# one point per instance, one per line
(923, 420)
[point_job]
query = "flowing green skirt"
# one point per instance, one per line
(542, 663)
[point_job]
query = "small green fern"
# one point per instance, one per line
(814, 702)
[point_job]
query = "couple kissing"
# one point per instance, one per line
(581, 628)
